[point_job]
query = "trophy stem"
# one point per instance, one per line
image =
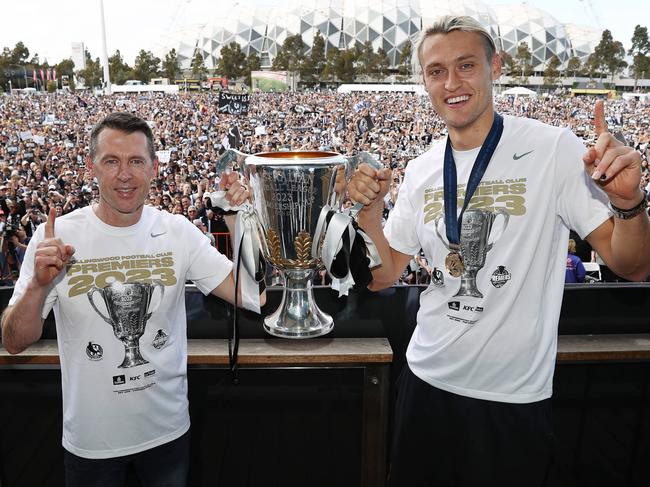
(468, 287)
(132, 356)
(298, 315)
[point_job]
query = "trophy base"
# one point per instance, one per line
(298, 316)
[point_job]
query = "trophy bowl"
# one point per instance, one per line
(128, 310)
(289, 190)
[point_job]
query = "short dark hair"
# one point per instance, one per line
(124, 122)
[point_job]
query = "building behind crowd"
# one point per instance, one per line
(386, 24)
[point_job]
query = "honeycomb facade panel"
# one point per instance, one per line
(386, 24)
(542, 33)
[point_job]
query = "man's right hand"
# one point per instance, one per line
(52, 255)
(369, 186)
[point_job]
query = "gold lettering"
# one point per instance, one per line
(87, 268)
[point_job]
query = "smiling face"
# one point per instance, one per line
(124, 169)
(458, 77)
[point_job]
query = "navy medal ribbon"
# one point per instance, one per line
(454, 261)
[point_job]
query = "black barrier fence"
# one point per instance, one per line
(288, 427)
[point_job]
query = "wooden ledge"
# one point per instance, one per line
(347, 351)
(603, 348)
(253, 352)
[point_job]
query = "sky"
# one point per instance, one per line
(49, 27)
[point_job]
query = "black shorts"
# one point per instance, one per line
(443, 439)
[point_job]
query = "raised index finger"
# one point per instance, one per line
(599, 118)
(49, 224)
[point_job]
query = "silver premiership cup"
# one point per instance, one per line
(128, 311)
(289, 190)
(475, 233)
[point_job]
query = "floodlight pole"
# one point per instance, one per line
(107, 76)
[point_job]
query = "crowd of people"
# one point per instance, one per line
(44, 142)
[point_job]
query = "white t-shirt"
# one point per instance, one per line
(501, 346)
(111, 405)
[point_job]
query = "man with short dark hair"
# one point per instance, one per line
(119, 306)
(492, 203)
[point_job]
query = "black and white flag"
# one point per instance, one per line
(233, 103)
(364, 124)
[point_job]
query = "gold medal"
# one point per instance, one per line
(454, 264)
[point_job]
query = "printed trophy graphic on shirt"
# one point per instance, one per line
(297, 201)
(475, 234)
(128, 311)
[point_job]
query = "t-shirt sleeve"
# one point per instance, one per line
(582, 205)
(207, 266)
(400, 228)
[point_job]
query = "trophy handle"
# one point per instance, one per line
(90, 295)
(226, 160)
(156, 284)
(352, 163)
(506, 217)
(436, 222)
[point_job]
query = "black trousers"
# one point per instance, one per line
(443, 439)
(163, 466)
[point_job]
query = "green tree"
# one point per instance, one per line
(92, 74)
(317, 57)
(382, 65)
(52, 86)
(591, 67)
(366, 59)
(232, 63)
(573, 66)
(119, 71)
(640, 51)
(508, 64)
(146, 66)
(66, 68)
(19, 54)
(551, 73)
(405, 68)
(524, 68)
(610, 55)
(345, 65)
(170, 66)
(197, 65)
(331, 60)
(4, 63)
(291, 55)
(253, 63)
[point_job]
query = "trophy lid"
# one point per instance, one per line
(295, 157)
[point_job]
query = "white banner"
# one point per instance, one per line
(164, 155)
(260, 130)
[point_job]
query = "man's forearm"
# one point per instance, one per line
(385, 274)
(630, 247)
(22, 324)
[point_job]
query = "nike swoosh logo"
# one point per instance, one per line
(154, 235)
(516, 157)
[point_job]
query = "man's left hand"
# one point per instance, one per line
(613, 165)
(236, 193)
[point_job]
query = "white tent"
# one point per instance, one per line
(519, 91)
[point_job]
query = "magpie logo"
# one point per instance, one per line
(94, 351)
(517, 157)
